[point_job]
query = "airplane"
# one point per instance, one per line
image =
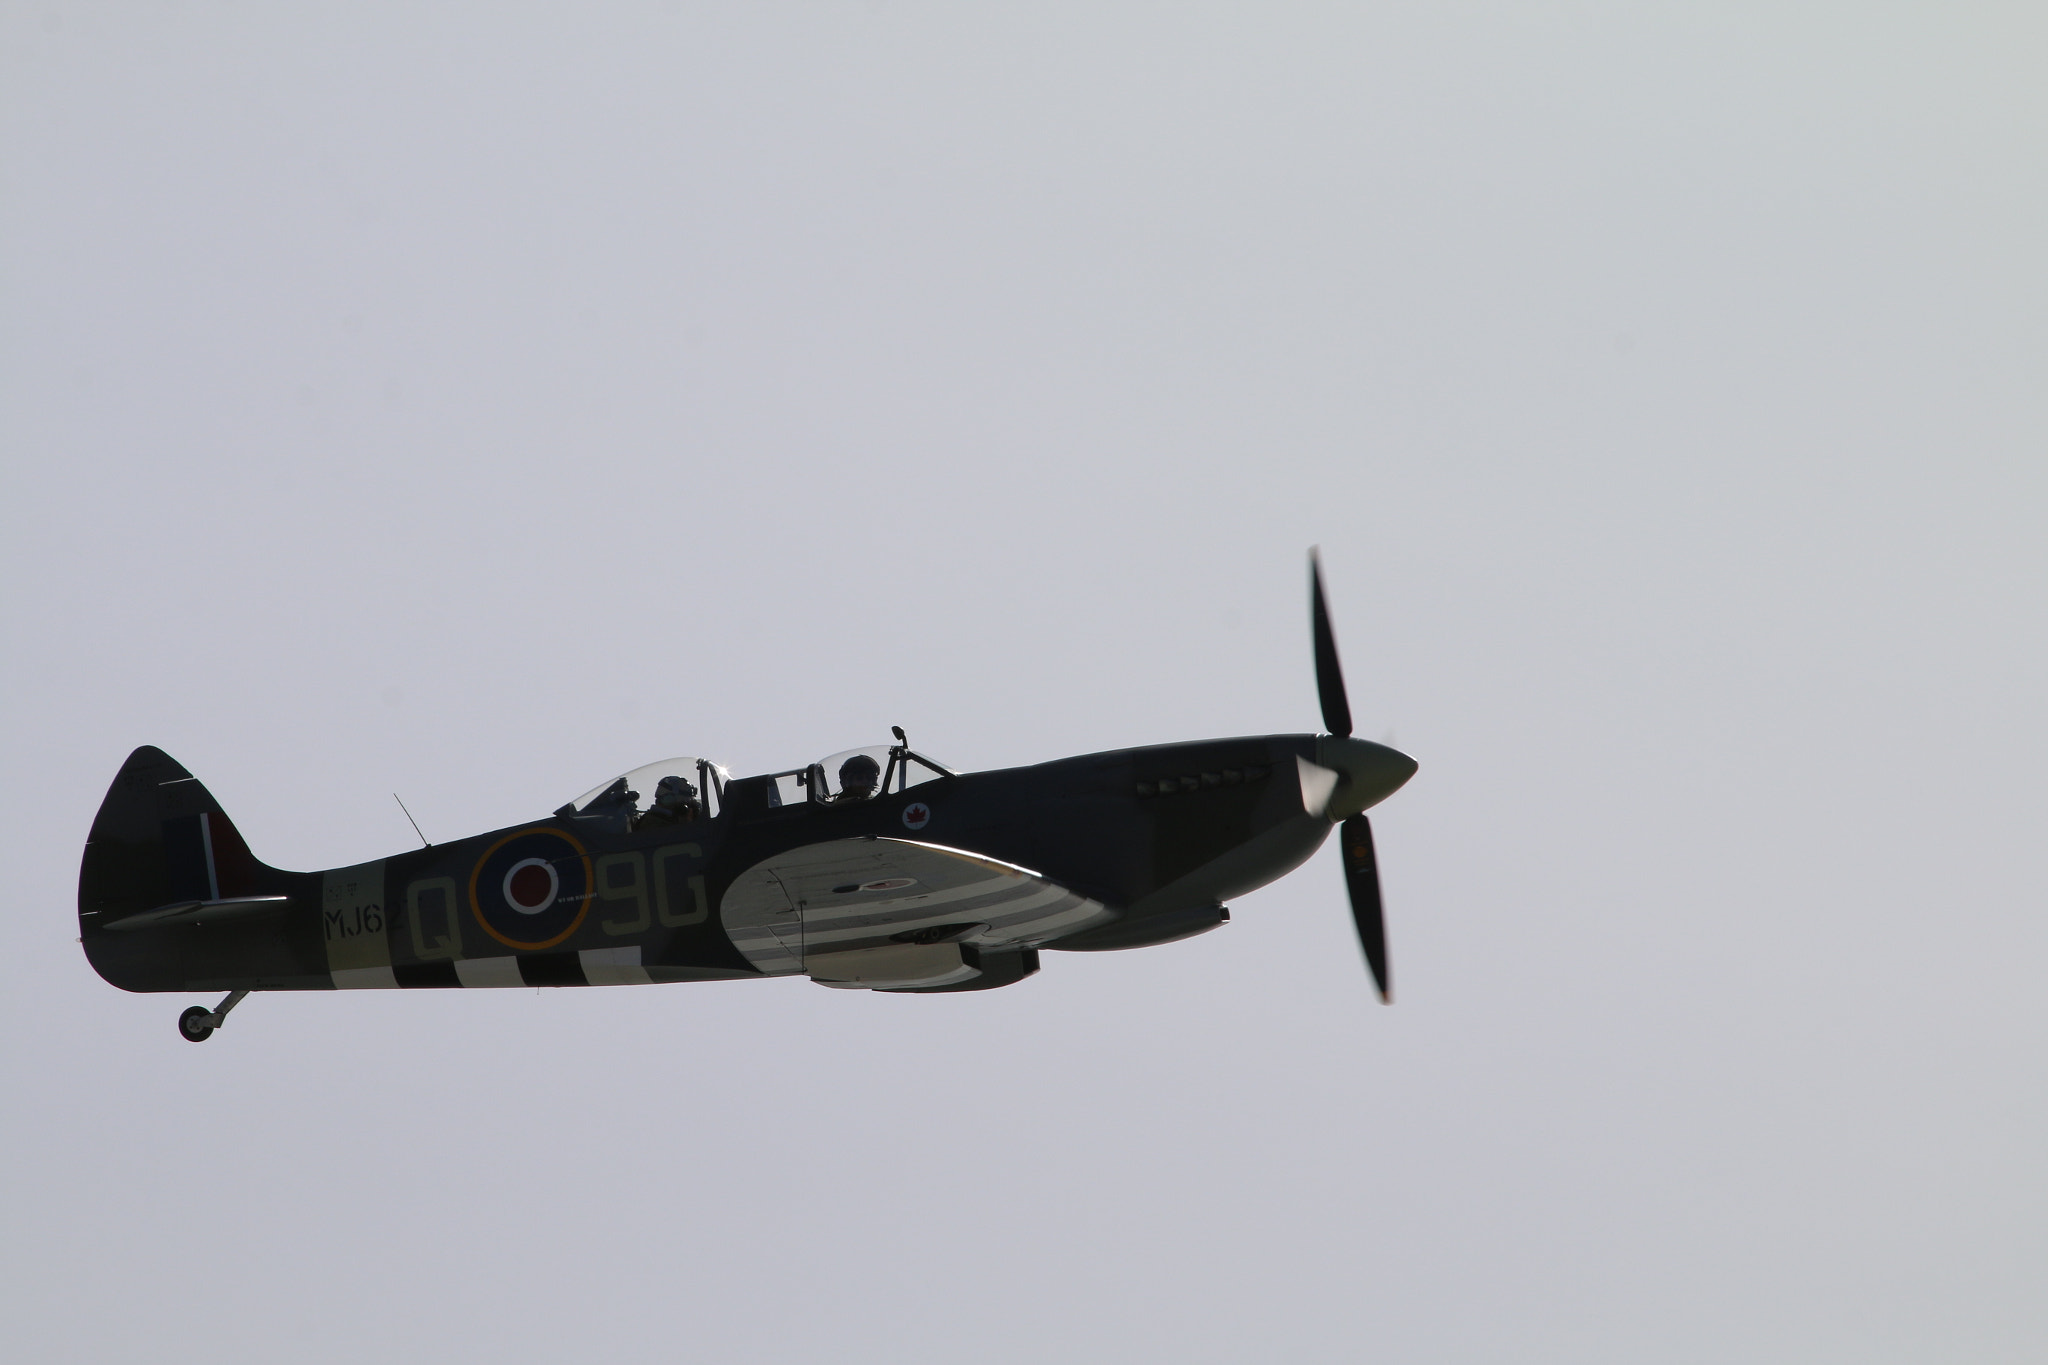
(878, 869)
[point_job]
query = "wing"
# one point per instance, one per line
(807, 909)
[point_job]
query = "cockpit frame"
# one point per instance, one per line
(619, 801)
(813, 785)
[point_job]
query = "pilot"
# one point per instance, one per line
(857, 778)
(675, 803)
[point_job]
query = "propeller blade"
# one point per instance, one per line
(1362, 880)
(1329, 674)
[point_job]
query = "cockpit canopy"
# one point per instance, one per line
(681, 791)
(855, 775)
(675, 791)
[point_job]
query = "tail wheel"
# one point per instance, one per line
(195, 1025)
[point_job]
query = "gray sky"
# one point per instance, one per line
(479, 401)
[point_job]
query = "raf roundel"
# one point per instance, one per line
(916, 815)
(532, 889)
(532, 886)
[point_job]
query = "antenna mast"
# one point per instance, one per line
(414, 823)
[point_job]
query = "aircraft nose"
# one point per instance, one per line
(1372, 773)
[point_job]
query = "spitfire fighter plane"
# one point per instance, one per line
(876, 869)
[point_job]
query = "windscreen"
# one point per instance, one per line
(861, 774)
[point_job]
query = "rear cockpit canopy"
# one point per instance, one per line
(675, 791)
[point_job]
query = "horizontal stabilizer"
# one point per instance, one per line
(185, 912)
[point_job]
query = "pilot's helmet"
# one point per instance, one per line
(859, 774)
(672, 791)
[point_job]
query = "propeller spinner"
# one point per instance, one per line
(1369, 773)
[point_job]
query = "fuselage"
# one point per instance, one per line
(1155, 839)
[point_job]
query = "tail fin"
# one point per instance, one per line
(160, 840)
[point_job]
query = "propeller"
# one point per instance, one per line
(1371, 771)
(1362, 880)
(1329, 673)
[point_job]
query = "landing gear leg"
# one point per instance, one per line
(197, 1024)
